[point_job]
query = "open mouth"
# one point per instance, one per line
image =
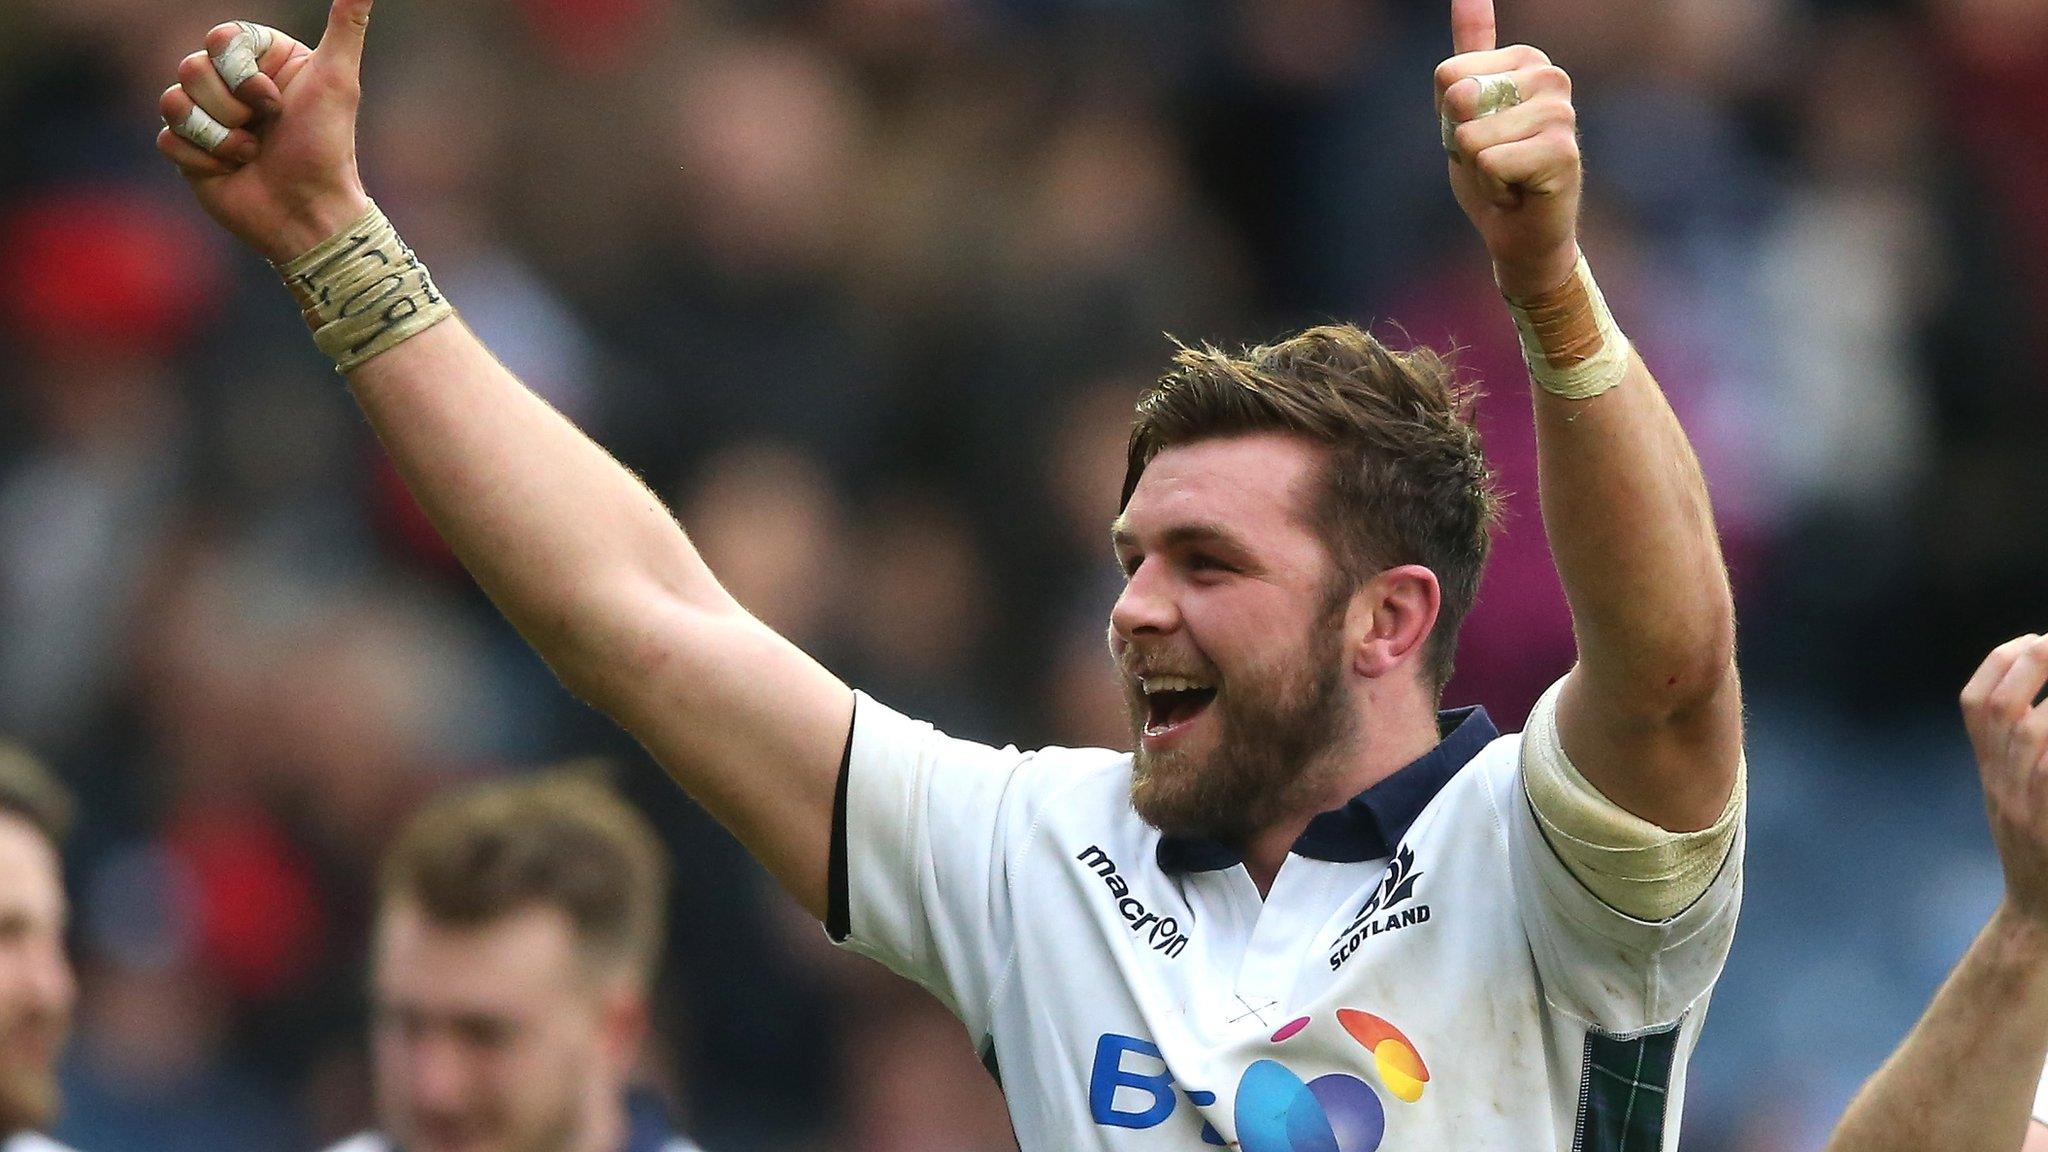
(1171, 709)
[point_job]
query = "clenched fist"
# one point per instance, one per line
(283, 177)
(1515, 170)
(2009, 732)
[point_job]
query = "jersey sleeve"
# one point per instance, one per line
(1619, 973)
(928, 826)
(2041, 1100)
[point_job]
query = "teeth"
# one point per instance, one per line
(1172, 684)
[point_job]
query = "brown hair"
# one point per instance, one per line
(1405, 482)
(29, 791)
(563, 840)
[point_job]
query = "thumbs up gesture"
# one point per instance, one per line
(263, 128)
(1514, 151)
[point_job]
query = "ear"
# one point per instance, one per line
(1391, 619)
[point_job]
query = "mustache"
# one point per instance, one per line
(1134, 666)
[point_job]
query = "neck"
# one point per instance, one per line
(608, 1125)
(1396, 730)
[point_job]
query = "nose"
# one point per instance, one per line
(1146, 605)
(435, 1079)
(42, 976)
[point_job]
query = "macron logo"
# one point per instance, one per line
(1161, 933)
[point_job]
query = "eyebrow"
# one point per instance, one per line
(1193, 532)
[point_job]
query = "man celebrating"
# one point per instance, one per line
(518, 930)
(1310, 911)
(36, 988)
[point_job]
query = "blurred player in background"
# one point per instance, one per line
(1311, 910)
(1962, 1080)
(36, 986)
(518, 929)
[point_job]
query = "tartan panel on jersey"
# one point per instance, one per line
(988, 1061)
(1623, 1099)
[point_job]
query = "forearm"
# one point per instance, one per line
(566, 541)
(590, 567)
(1624, 503)
(578, 554)
(1630, 527)
(1652, 713)
(1964, 1079)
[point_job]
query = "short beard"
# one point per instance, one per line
(565, 1125)
(560, 1131)
(1274, 733)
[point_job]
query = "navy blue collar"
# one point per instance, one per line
(1371, 823)
(647, 1126)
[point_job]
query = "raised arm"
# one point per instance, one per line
(579, 555)
(1651, 716)
(1964, 1078)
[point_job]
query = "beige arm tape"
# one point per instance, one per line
(1632, 865)
(1570, 341)
(363, 292)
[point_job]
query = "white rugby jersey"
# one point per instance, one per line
(2041, 1101)
(1424, 975)
(31, 1142)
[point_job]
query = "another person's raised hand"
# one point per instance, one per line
(263, 128)
(2009, 731)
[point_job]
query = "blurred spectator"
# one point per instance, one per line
(1848, 282)
(922, 615)
(767, 518)
(517, 939)
(155, 1066)
(100, 296)
(37, 991)
(733, 322)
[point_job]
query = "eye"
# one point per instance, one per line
(486, 1031)
(1129, 564)
(1203, 562)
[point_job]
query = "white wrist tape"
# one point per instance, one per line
(236, 62)
(1569, 338)
(201, 129)
(363, 292)
(1632, 865)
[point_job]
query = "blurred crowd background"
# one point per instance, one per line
(865, 289)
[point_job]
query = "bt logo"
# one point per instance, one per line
(1274, 1110)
